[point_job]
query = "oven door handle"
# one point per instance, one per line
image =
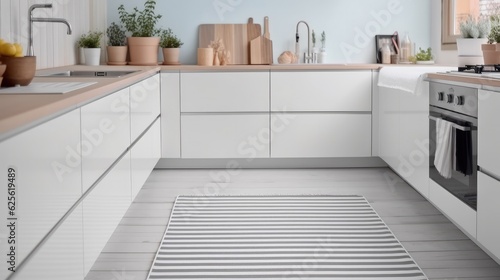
(454, 125)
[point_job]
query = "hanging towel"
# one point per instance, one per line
(444, 145)
(463, 152)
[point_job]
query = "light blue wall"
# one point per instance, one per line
(350, 25)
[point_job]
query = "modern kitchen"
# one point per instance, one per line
(327, 139)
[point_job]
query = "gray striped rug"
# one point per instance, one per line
(280, 237)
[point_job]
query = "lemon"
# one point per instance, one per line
(8, 49)
(19, 50)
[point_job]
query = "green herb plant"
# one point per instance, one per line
(475, 28)
(169, 40)
(422, 55)
(90, 40)
(323, 39)
(141, 23)
(116, 35)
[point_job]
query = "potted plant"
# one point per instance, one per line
(474, 34)
(491, 51)
(170, 45)
(91, 45)
(117, 45)
(144, 40)
(423, 57)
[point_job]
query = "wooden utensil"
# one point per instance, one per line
(234, 36)
(261, 48)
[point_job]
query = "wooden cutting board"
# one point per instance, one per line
(236, 38)
(261, 48)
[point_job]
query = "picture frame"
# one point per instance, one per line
(380, 40)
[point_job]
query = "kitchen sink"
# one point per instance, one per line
(89, 74)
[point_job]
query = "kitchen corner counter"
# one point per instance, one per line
(20, 112)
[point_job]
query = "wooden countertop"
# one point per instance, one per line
(21, 112)
(275, 67)
(472, 80)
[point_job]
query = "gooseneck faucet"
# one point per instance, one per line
(37, 19)
(308, 55)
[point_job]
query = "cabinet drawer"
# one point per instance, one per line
(225, 92)
(47, 178)
(225, 136)
(488, 132)
(144, 105)
(321, 91)
(104, 208)
(144, 155)
(488, 211)
(105, 134)
(320, 135)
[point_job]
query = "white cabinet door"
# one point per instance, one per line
(144, 155)
(105, 134)
(225, 92)
(389, 126)
(460, 213)
(103, 209)
(46, 174)
(320, 135)
(144, 105)
(60, 258)
(413, 163)
(488, 211)
(321, 91)
(171, 115)
(225, 136)
(489, 132)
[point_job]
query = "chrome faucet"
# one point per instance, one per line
(34, 19)
(308, 57)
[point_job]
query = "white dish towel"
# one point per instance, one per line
(444, 147)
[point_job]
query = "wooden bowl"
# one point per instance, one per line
(2, 68)
(20, 70)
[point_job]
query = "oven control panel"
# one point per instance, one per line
(459, 99)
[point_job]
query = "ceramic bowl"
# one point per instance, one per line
(20, 70)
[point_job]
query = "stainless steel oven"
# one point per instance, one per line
(457, 105)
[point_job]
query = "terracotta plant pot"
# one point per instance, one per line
(143, 50)
(491, 54)
(20, 70)
(117, 55)
(2, 68)
(171, 56)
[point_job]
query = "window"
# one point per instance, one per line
(455, 11)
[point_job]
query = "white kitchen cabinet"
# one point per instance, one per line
(225, 92)
(225, 136)
(389, 126)
(320, 135)
(489, 132)
(461, 214)
(321, 91)
(404, 134)
(105, 134)
(170, 115)
(47, 167)
(103, 209)
(60, 258)
(488, 211)
(144, 155)
(144, 105)
(413, 161)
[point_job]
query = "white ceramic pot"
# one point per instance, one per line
(470, 47)
(92, 56)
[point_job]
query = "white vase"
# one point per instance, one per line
(92, 56)
(81, 56)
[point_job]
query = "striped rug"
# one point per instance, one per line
(280, 237)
